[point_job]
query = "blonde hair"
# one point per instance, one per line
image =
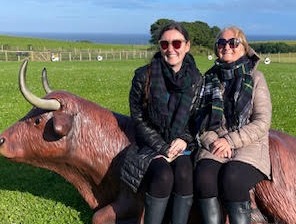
(238, 33)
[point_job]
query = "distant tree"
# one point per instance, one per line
(215, 31)
(273, 47)
(201, 34)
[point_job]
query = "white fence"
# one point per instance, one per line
(74, 55)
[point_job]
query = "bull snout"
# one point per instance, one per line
(2, 140)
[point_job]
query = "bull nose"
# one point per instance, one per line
(2, 140)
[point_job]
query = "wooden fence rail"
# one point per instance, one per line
(6, 55)
(88, 55)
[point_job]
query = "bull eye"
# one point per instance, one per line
(37, 121)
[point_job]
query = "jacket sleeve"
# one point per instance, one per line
(186, 136)
(207, 138)
(145, 134)
(260, 119)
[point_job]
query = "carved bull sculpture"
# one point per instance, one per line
(85, 143)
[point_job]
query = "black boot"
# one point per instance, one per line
(154, 209)
(210, 210)
(181, 208)
(239, 212)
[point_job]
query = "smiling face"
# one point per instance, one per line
(174, 55)
(231, 50)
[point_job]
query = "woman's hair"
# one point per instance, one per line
(173, 25)
(238, 33)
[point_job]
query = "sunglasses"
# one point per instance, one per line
(164, 44)
(233, 43)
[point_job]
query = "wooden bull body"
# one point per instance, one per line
(86, 144)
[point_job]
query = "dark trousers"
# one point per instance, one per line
(230, 181)
(162, 178)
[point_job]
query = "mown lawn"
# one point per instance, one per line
(42, 44)
(32, 195)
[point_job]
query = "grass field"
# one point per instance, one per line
(32, 195)
(37, 44)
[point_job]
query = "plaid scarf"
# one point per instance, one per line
(234, 104)
(171, 95)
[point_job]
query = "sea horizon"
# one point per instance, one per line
(117, 38)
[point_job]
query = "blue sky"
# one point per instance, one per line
(262, 17)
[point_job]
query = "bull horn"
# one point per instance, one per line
(46, 104)
(45, 81)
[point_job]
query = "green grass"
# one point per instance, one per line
(32, 195)
(281, 79)
(37, 44)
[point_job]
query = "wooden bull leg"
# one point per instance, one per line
(127, 209)
(105, 215)
(110, 215)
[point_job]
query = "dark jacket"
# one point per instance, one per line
(149, 142)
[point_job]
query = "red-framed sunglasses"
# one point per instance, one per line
(233, 43)
(164, 44)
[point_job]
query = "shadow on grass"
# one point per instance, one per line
(42, 183)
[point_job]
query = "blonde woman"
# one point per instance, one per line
(233, 123)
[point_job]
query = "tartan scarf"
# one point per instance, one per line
(170, 95)
(234, 104)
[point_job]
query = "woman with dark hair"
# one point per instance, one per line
(233, 122)
(162, 100)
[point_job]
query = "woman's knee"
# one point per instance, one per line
(206, 172)
(237, 178)
(159, 178)
(183, 169)
(160, 171)
(236, 174)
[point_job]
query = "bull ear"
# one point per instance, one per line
(62, 123)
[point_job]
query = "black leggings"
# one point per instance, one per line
(163, 177)
(231, 181)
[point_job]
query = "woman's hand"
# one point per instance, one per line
(177, 146)
(221, 148)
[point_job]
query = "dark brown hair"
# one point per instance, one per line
(173, 25)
